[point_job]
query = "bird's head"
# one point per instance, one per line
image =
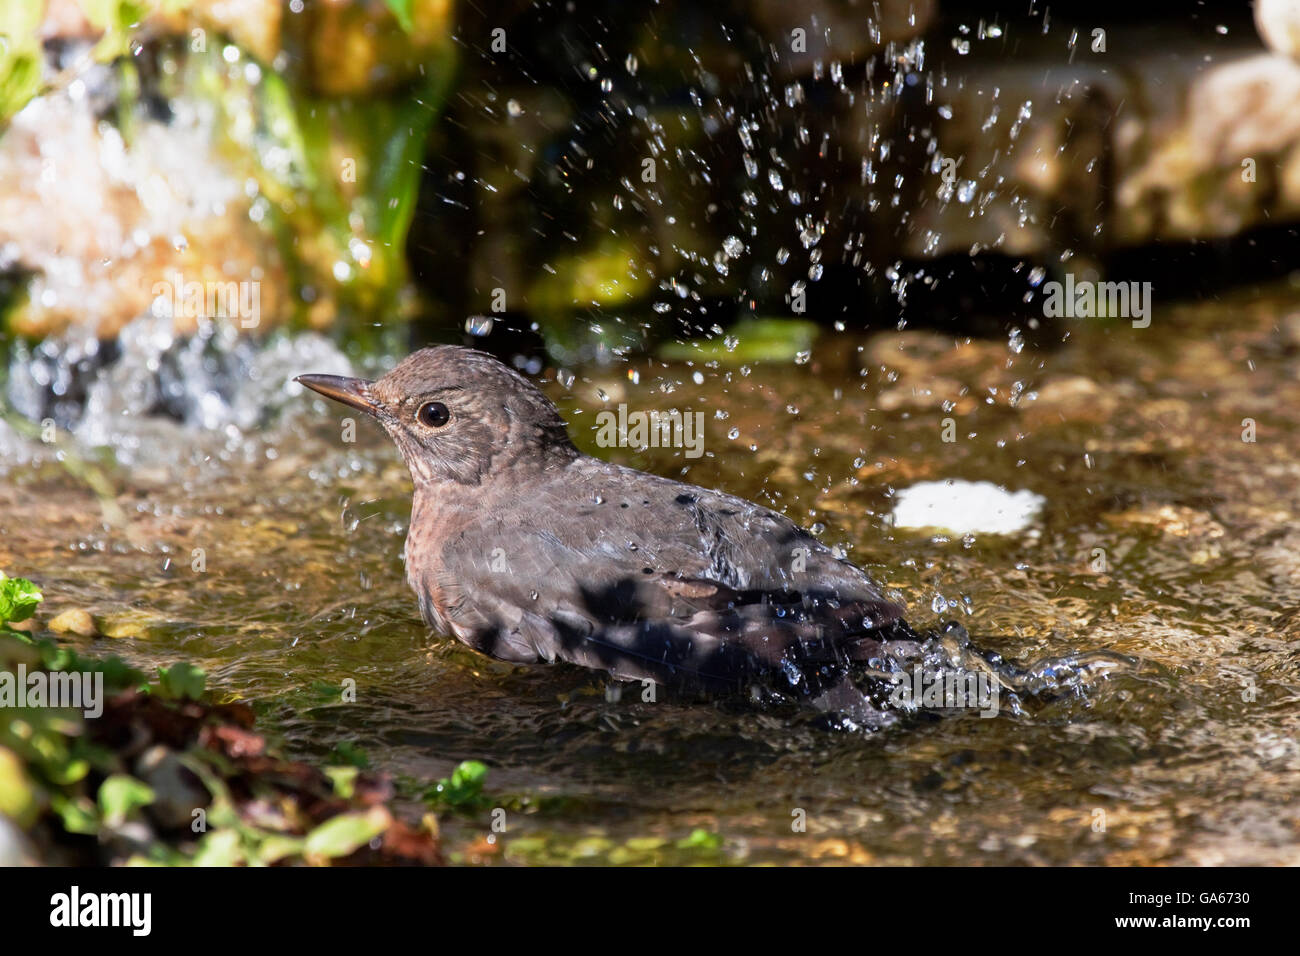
(456, 414)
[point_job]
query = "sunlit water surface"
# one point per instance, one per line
(1134, 437)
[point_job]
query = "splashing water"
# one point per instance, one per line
(136, 395)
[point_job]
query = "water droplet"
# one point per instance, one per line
(359, 251)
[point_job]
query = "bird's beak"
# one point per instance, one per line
(349, 391)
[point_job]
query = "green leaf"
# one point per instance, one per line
(20, 80)
(346, 752)
(749, 340)
(77, 814)
(344, 780)
(219, 848)
(118, 674)
(402, 11)
(20, 55)
(464, 788)
(276, 847)
(700, 840)
(120, 796)
(181, 681)
(118, 19)
(18, 599)
(470, 775)
(346, 833)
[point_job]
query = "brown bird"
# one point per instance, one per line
(528, 550)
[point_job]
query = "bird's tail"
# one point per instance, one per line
(942, 670)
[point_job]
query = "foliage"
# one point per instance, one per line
(463, 790)
(750, 340)
(402, 11)
(18, 600)
(20, 56)
(700, 848)
(181, 681)
(64, 782)
(350, 754)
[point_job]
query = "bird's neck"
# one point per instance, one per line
(441, 507)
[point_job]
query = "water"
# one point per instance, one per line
(1164, 537)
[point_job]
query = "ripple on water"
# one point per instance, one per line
(1189, 756)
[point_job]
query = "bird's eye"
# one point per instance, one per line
(433, 414)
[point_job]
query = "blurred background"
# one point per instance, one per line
(596, 178)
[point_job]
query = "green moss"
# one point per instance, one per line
(607, 274)
(750, 340)
(20, 55)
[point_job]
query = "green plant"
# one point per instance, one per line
(463, 790)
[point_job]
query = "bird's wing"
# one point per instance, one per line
(653, 579)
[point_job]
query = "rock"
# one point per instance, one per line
(1278, 22)
(128, 624)
(75, 621)
(1148, 148)
(1290, 330)
(102, 224)
(15, 848)
(1176, 520)
(252, 24)
(1222, 157)
(1073, 398)
(177, 791)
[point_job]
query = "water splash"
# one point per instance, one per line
(138, 394)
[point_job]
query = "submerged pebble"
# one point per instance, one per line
(966, 507)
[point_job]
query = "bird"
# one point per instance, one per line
(530, 551)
